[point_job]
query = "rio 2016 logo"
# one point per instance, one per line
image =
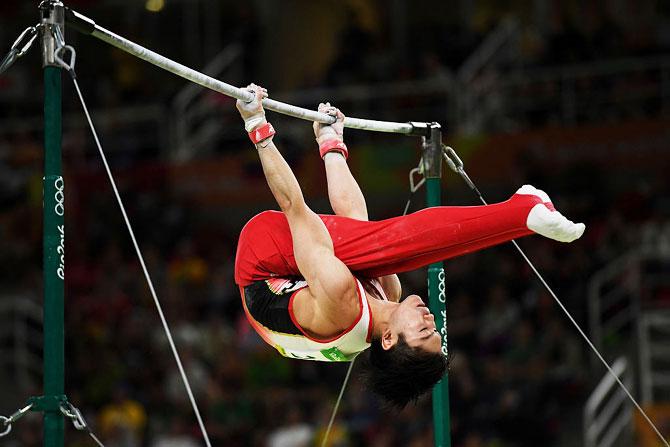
(61, 251)
(59, 209)
(442, 297)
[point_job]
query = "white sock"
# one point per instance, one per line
(531, 190)
(551, 224)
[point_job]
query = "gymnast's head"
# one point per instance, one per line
(406, 361)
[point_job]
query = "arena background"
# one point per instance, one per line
(571, 97)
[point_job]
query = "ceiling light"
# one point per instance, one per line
(154, 5)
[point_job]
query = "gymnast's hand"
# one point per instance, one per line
(335, 131)
(252, 112)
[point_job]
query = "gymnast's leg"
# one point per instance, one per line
(434, 234)
(404, 243)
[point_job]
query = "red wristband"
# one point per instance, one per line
(333, 146)
(262, 133)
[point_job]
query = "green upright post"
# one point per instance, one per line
(432, 164)
(54, 233)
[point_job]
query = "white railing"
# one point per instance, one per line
(615, 291)
(654, 355)
(110, 121)
(613, 298)
(477, 96)
(608, 411)
(492, 50)
(194, 117)
(21, 340)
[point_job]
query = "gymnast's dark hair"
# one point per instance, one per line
(400, 375)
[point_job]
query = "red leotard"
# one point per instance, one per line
(378, 248)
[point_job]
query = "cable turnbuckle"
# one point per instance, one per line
(29, 34)
(20, 47)
(8, 421)
(456, 164)
(73, 413)
(413, 187)
(62, 53)
(452, 159)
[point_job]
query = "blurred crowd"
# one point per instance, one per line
(517, 366)
(370, 43)
(553, 34)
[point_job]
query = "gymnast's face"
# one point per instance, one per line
(414, 321)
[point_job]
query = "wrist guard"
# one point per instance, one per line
(262, 133)
(333, 146)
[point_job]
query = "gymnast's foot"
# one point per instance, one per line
(545, 220)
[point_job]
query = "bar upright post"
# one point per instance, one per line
(52, 13)
(432, 164)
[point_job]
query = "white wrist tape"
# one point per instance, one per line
(252, 122)
(334, 155)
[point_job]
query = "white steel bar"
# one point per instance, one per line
(227, 89)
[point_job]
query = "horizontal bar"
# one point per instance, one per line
(87, 26)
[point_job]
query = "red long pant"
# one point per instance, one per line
(378, 248)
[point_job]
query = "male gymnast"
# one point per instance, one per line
(324, 287)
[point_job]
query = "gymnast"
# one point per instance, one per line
(324, 287)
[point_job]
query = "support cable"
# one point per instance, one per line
(337, 403)
(69, 66)
(456, 165)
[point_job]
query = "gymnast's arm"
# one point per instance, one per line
(344, 193)
(346, 197)
(330, 304)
